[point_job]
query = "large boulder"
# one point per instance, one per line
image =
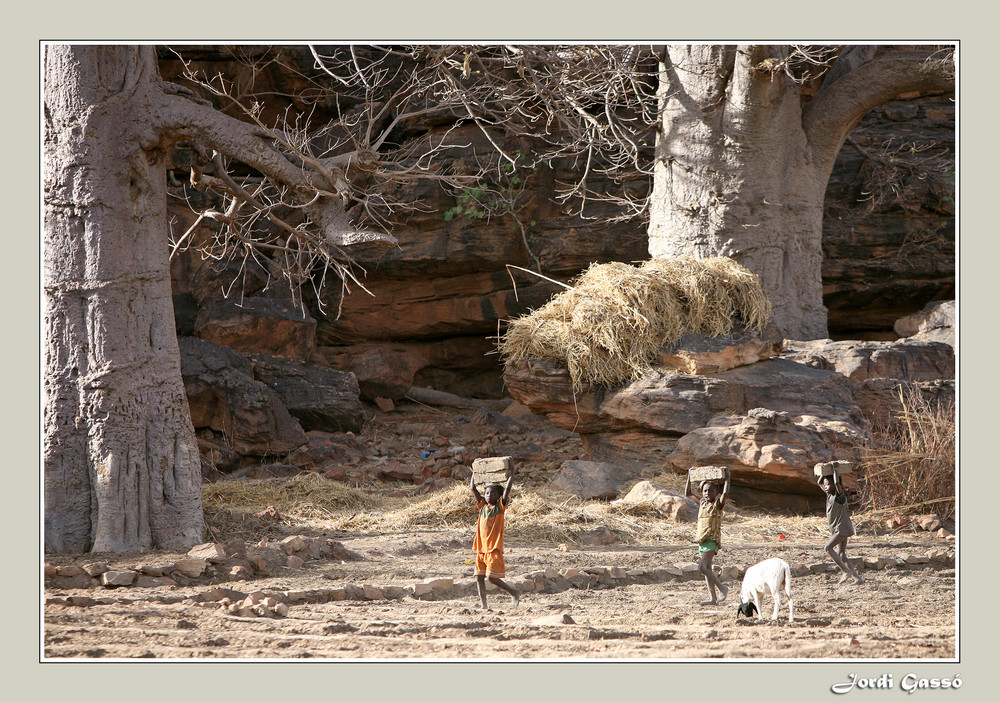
(592, 479)
(769, 421)
(224, 396)
(698, 354)
(667, 503)
(768, 450)
(906, 359)
(381, 372)
(935, 323)
(675, 404)
(882, 371)
(882, 399)
(321, 398)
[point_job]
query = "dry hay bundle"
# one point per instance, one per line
(609, 327)
(535, 517)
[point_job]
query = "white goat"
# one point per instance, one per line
(768, 575)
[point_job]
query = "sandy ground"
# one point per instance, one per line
(898, 612)
(901, 612)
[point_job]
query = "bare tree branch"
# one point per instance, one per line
(837, 107)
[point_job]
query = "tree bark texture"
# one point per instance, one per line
(741, 168)
(122, 469)
(733, 177)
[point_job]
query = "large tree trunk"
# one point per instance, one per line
(733, 177)
(742, 166)
(122, 469)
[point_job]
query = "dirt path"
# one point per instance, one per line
(899, 612)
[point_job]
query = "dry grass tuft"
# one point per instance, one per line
(451, 508)
(610, 326)
(306, 501)
(909, 466)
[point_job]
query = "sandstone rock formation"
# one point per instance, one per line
(589, 479)
(440, 296)
(696, 354)
(770, 421)
(881, 399)
(671, 505)
(768, 450)
(675, 404)
(381, 372)
(224, 396)
(256, 324)
(936, 322)
(444, 288)
(910, 359)
(320, 398)
(886, 373)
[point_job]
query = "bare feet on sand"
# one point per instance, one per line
(715, 600)
(855, 579)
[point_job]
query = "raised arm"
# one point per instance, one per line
(475, 491)
(725, 486)
(506, 489)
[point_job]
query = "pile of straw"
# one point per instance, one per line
(609, 327)
(309, 501)
(312, 504)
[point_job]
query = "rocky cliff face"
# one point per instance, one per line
(889, 237)
(440, 295)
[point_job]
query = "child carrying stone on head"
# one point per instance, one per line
(489, 538)
(839, 518)
(709, 533)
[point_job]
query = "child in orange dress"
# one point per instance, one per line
(489, 538)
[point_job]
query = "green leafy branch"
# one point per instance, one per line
(504, 196)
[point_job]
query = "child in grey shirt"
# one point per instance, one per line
(841, 527)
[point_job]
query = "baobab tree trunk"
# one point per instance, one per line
(741, 165)
(122, 469)
(733, 177)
